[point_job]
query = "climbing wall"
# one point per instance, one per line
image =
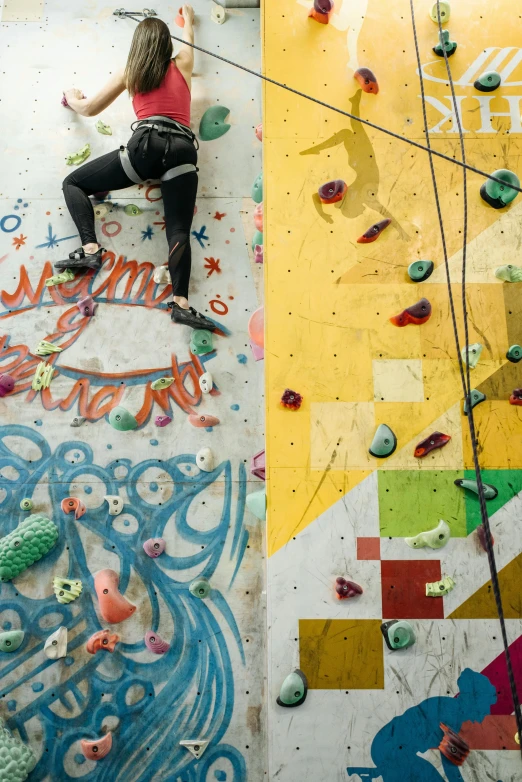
(334, 510)
(208, 685)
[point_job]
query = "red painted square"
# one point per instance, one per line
(368, 548)
(403, 584)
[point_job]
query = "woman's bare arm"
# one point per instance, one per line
(185, 57)
(89, 107)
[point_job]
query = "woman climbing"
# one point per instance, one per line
(162, 147)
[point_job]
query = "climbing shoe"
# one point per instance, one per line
(190, 317)
(79, 259)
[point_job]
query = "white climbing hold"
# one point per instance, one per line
(218, 13)
(56, 645)
(78, 420)
(115, 504)
(206, 382)
(196, 747)
(161, 275)
(205, 460)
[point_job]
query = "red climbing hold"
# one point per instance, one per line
(374, 232)
(453, 747)
(333, 191)
(418, 313)
(6, 384)
(514, 399)
(291, 399)
(481, 532)
(367, 80)
(322, 11)
(435, 440)
(202, 421)
(258, 466)
(346, 589)
(259, 132)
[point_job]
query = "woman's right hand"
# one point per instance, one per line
(188, 14)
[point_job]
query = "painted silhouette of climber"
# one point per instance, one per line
(364, 190)
(395, 747)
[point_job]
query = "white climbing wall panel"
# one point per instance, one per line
(210, 683)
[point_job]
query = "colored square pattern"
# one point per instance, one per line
(507, 482)
(342, 654)
(403, 584)
(368, 548)
(398, 380)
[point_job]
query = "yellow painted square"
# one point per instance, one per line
(499, 432)
(22, 10)
(398, 380)
(340, 435)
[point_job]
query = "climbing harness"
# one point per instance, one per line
(164, 125)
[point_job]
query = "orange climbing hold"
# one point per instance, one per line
(367, 80)
(453, 747)
(418, 313)
(332, 192)
(256, 327)
(258, 217)
(114, 607)
(179, 18)
(321, 11)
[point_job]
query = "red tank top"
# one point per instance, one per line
(170, 99)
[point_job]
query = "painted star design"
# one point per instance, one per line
(52, 241)
(213, 265)
(200, 235)
(18, 241)
(219, 215)
(148, 234)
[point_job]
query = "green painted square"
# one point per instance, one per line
(508, 483)
(411, 501)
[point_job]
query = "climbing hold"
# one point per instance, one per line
(445, 44)
(476, 398)
(374, 232)
(162, 420)
(439, 588)
(10, 641)
(435, 440)
(162, 382)
(398, 634)
(100, 210)
(293, 690)
(490, 492)
(114, 607)
(161, 275)
(133, 211)
(418, 271)
(345, 589)
(321, 11)
(291, 399)
(87, 306)
(509, 273)
(104, 129)
(66, 590)
(196, 747)
(384, 442)
(122, 420)
(7, 384)
(256, 327)
(45, 348)
(30, 541)
(42, 376)
(218, 13)
(488, 81)
(433, 538)
(153, 547)
(444, 7)
(367, 80)
(79, 157)
(481, 533)
(418, 313)
(452, 746)
(514, 354)
(258, 253)
(96, 750)
(200, 587)
(471, 354)
(206, 382)
(499, 195)
(16, 759)
(115, 504)
(103, 640)
(55, 646)
(257, 465)
(179, 18)
(78, 420)
(205, 460)
(203, 421)
(257, 189)
(516, 397)
(73, 505)
(517, 738)
(333, 191)
(257, 239)
(259, 132)
(256, 503)
(212, 124)
(26, 504)
(66, 276)
(155, 643)
(258, 217)
(201, 342)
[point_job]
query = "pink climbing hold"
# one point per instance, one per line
(257, 465)
(179, 18)
(153, 547)
(257, 352)
(256, 327)
(73, 505)
(6, 384)
(96, 750)
(162, 420)
(155, 643)
(202, 421)
(258, 253)
(258, 217)
(87, 306)
(259, 132)
(114, 607)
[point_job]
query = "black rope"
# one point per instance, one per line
(367, 122)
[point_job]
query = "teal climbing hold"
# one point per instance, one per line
(258, 239)
(445, 44)
(418, 271)
(16, 759)
(200, 587)
(500, 194)
(201, 342)
(514, 354)
(132, 210)
(257, 189)
(11, 641)
(433, 538)
(471, 354)
(509, 273)
(30, 541)
(476, 397)
(293, 690)
(26, 504)
(122, 420)
(398, 634)
(256, 504)
(488, 81)
(490, 492)
(213, 123)
(384, 442)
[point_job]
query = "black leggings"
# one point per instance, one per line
(179, 194)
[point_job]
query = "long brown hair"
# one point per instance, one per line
(149, 56)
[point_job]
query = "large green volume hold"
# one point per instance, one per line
(213, 123)
(16, 759)
(30, 541)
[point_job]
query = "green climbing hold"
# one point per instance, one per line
(30, 541)
(490, 492)
(122, 420)
(256, 504)
(384, 442)
(419, 271)
(488, 81)
(445, 44)
(471, 354)
(79, 157)
(201, 342)
(444, 7)
(16, 759)
(26, 504)
(476, 397)
(257, 189)
(42, 376)
(293, 690)
(200, 587)
(132, 210)
(514, 354)
(10, 642)
(66, 276)
(509, 273)
(162, 382)
(104, 129)
(45, 348)
(213, 123)
(258, 239)
(433, 538)
(398, 634)
(66, 590)
(500, 194)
